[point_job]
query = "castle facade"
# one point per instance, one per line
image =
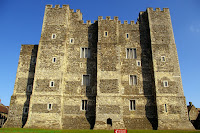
(101, 75)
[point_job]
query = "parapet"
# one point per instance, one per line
(108, 18)
(158, 9)
(57, 6)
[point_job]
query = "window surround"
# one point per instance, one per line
(85, 52)
(54, 60)
(138, 63)
(53, 36)
(127, 35)
(165, 83)
(84, 105)
(51, 84)
(71, 40)
(105, 33)
(88, 79)
(131, 53)
(165, 107)
(132, 105)
(163, 59)
(134, 78)
(49, 106)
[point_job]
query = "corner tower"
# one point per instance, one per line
(170, 100)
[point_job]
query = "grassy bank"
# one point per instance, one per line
(21, 130)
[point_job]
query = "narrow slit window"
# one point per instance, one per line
(133, 80)
(49, 106)
(131, 53)
(86, 80)
(29, 88)
(165, 83)
(163, 59)
(165, 107)
(33, 59)
(105, 33)
(90, 35)
(53, 36)
(127, 35)
(138, 63)
(25, 110)
(71, 40)
(51, 84)
(54, 59)
(132, 105)
(84, 105)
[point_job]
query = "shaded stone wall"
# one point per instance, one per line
(21, 96)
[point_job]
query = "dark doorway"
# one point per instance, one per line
(109, 121)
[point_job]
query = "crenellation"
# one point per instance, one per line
(158, 9)
(49, 6)
(88, 22)
(166, 9)
(116, 18)
(100, 17)
(57, 6)
(132, 22)
(125, 22)
(65, 7)
(72, 10)
(108, 18)
(101, 75)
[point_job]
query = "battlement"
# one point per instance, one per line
(57, 7)
(158, 9)
(108, 18)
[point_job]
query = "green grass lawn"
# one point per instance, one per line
(22, 130)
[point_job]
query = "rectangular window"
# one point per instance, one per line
(131, 53)
(165, 83)
(51, 84)
(133, 80)
(132, 105)
(85, 53)
(84, 105)
(49, 106)
(86, 80)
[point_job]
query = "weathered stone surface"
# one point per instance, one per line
(105, 74)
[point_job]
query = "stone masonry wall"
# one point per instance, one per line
(21, 95)
(83, 78)
(171, 106)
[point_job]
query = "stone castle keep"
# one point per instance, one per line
(101, 75)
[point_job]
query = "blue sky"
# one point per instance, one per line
(21, 23)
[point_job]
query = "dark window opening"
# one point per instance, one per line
(109, 121)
